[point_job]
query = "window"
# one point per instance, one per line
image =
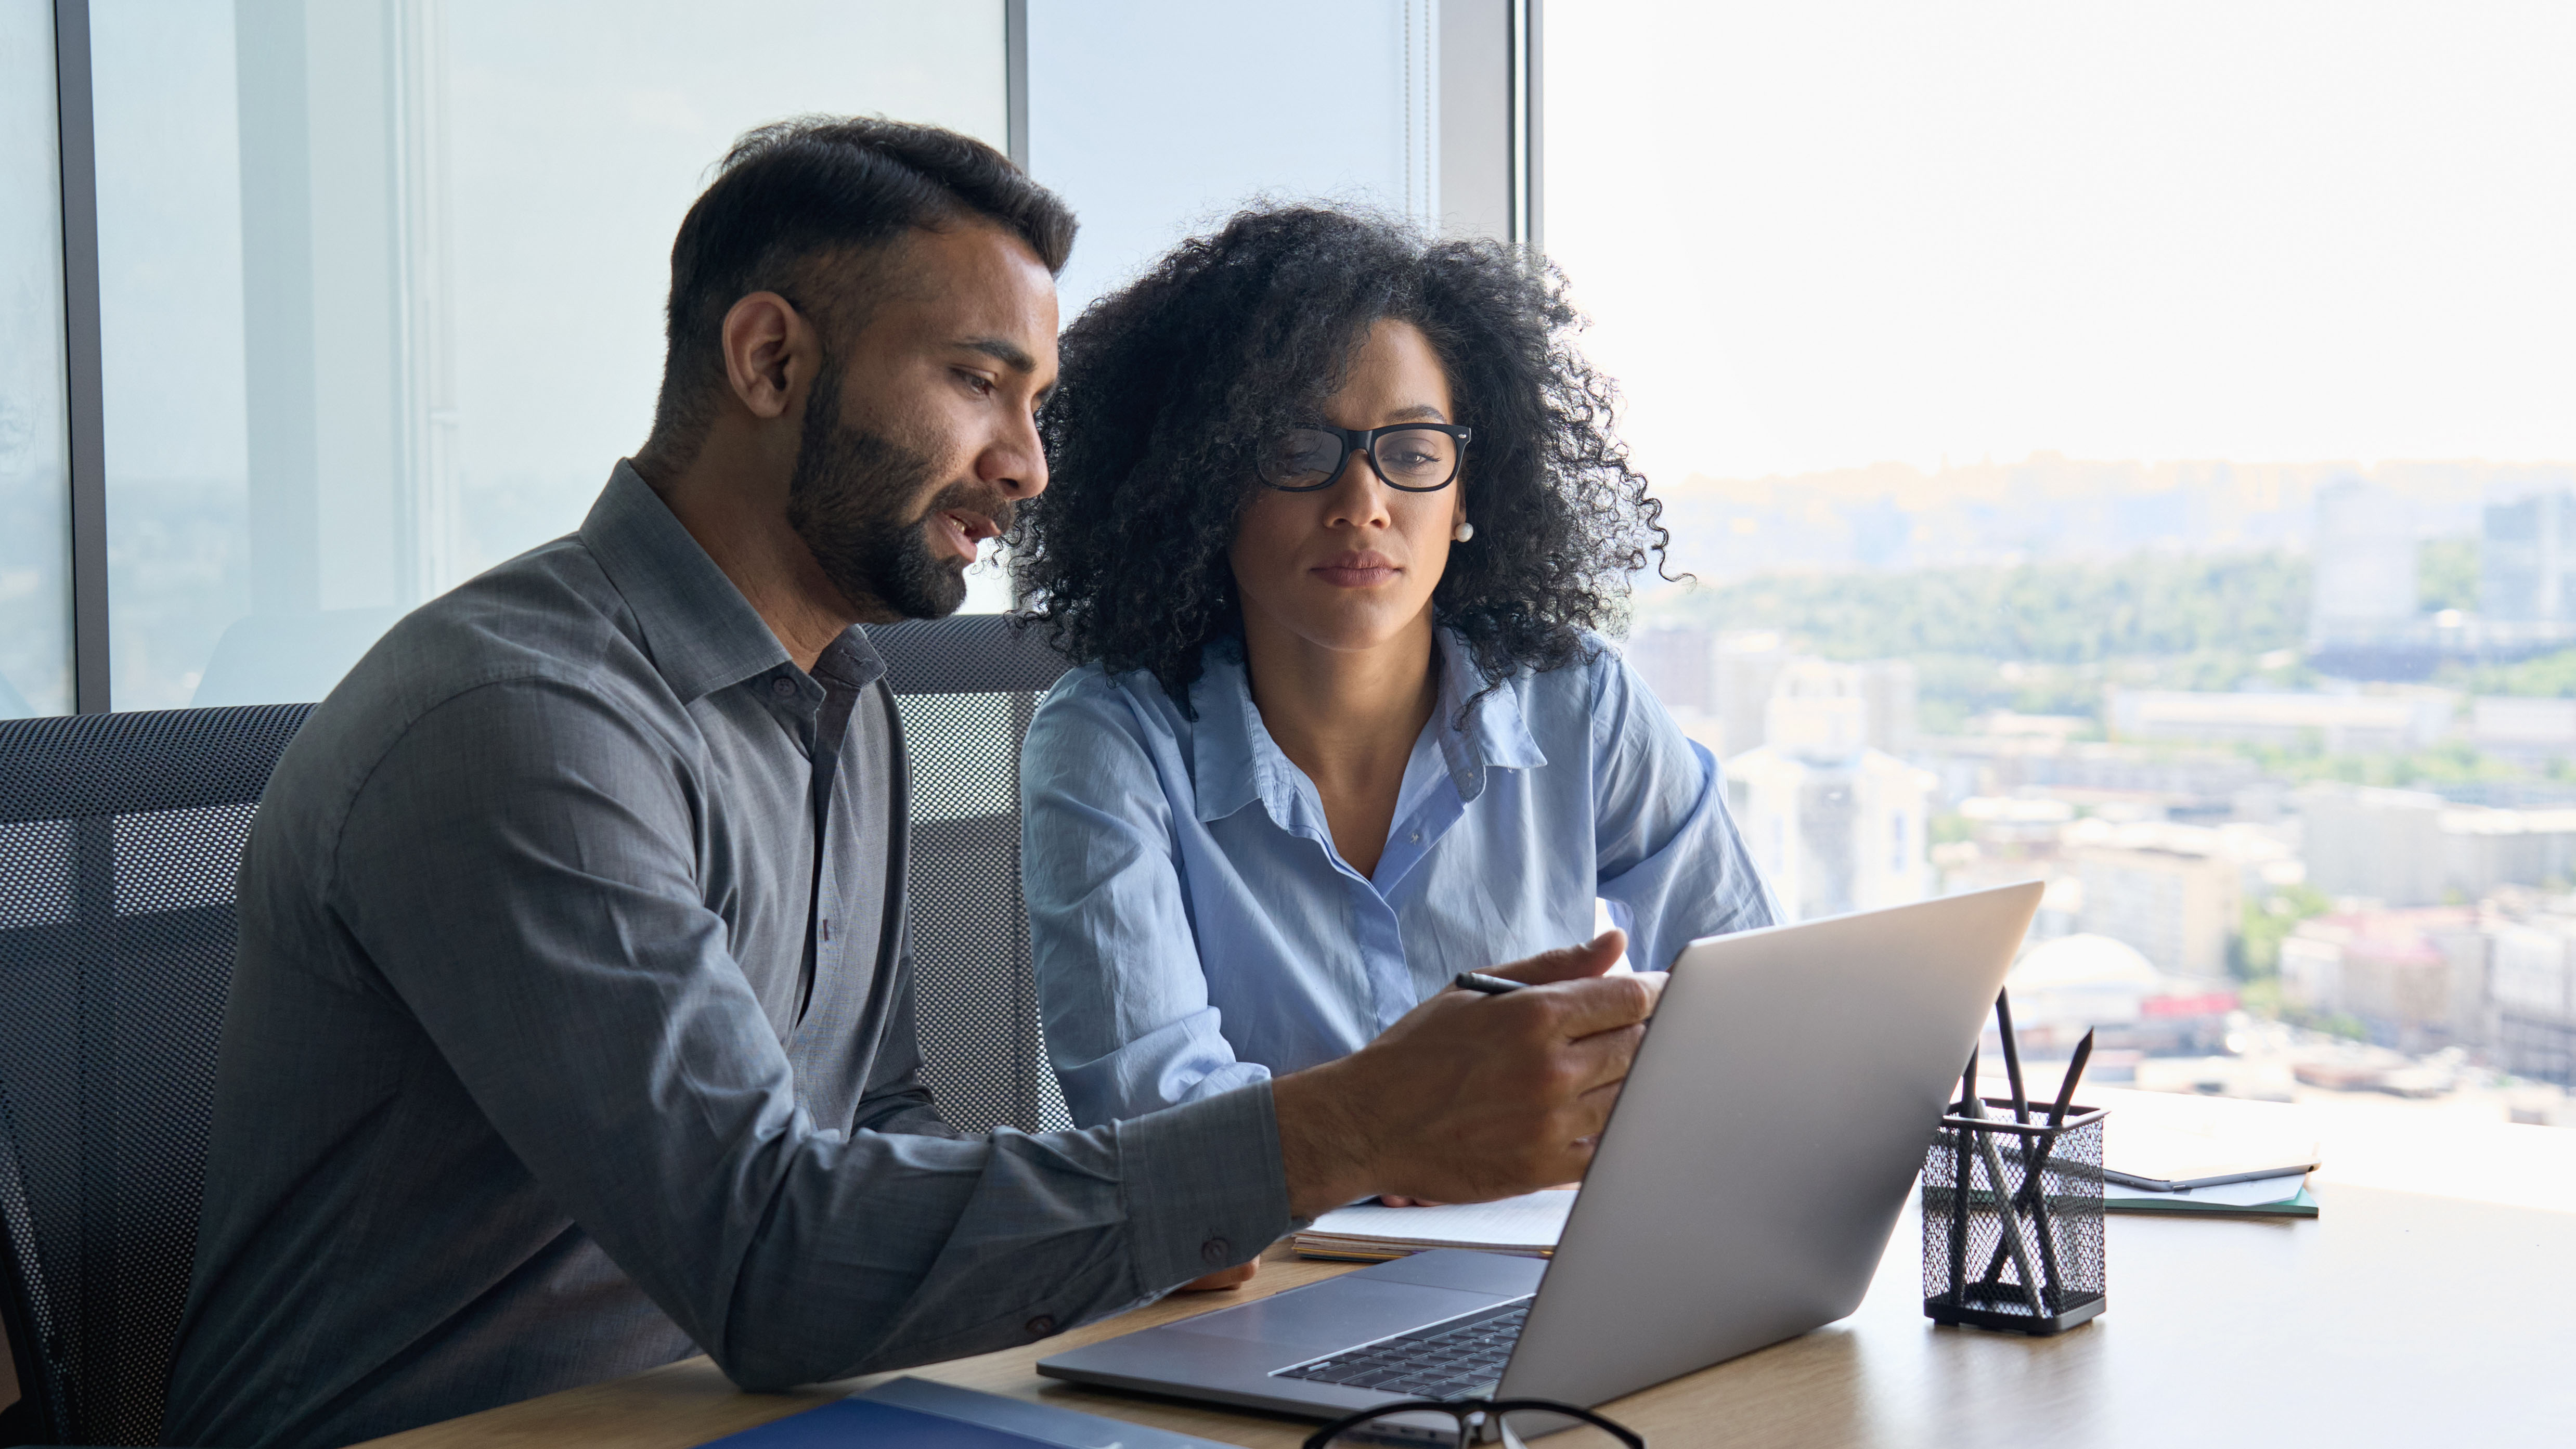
(35, 475)
(2149, 423)
(1224, 104)
(382, 285)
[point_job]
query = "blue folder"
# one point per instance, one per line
(880, 1426)
(910, 1413)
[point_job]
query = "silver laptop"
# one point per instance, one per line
(1744, 1192)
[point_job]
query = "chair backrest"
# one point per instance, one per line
(120, 841)
(120, 837)
(966, 688)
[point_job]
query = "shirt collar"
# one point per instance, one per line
(1494, 734)
(1232, 757)
(850, 662)
(699, 631)
(1236, 762)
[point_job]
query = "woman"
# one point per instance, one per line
(1332, 515)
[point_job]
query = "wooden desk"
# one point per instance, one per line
(2393, 1318)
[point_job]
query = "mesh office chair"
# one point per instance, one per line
(120, 836)
(965, 688)
(119, 839)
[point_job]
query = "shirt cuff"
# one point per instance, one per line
(1204, 1186)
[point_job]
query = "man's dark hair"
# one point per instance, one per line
(818, 189)
(1170, 385)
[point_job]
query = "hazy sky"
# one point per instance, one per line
(1824, 234)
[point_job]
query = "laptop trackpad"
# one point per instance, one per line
(1334, 1315)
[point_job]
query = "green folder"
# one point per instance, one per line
(2282, 1197)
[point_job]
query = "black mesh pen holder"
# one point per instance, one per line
(2012, 1221)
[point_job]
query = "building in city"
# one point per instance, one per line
(2531, 730)
(2170, 891)
(1676, 664)
(1887, 691)
(2009, 754)
(2484, 849)
(1745, 666)
(2363, 615)
(2379, 845)
(2084, 982)
(2414, 979)
(1718, 684)
(2393, 722)
(2363, 562)
(2413, 848)
(2528, 1007)
(2527, 559)
(1834, 824)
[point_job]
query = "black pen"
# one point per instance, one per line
(1490, 985)
(2032, 1153)
(2012, 1057)
(2074, 1074)
(1960, 1172)
(2034, 1181)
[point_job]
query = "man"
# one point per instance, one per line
(572, 1029)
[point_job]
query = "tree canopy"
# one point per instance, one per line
(2053, 613)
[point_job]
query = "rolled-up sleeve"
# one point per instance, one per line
(1128, 1022)
(1672, 866)
(520, 869)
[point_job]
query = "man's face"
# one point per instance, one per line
(919, 439)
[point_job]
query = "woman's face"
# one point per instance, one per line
(1351, 566)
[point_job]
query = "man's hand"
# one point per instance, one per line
(1470, 1097)
(1222, 1279)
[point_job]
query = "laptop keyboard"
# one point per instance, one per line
(1461, 1358)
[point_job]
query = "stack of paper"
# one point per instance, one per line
(1527, 1226)
(2164, 1167)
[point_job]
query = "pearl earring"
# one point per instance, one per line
(1463, 532)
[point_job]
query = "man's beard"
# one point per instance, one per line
(846, 499)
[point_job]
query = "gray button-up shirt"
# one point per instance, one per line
(556, 1051)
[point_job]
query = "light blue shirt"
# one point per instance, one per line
(1195, 930)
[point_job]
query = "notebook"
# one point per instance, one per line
(1527, 1226)
(910, 1413)
(2271, 1197)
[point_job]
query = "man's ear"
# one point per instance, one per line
(770, 351)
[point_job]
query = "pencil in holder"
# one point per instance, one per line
(2012, 1220)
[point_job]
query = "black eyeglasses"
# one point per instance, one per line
(1563, 1426)
(1412, 457)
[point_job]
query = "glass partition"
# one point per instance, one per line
(35, 480)
(1156, 118)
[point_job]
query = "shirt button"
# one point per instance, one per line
(1217, 1252)
(1042, 1325)
(782, 686)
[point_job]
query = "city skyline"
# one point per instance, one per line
(2052, 508)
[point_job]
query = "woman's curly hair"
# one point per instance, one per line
(1170, 384)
